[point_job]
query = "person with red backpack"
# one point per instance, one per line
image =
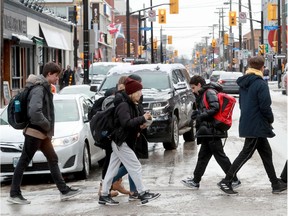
(206, 133)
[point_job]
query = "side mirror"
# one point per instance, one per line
(94, 88)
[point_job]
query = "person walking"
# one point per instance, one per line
(255, 125)
(207, 135)
(127, 124)
(38, 134)
(68, 77)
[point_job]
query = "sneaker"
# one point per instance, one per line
(189, 182)
(70, 193)
(18, 199)
(226, 187)
(236, 184)
(107, 200)
(279, 187)
(134, 196)
(147, 197)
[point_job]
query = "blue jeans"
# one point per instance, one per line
(122, 172)
(31, 145)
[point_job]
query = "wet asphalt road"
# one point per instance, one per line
(162, 173)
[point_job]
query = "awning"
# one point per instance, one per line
(21, 39)
(54, 38)
(38, 40)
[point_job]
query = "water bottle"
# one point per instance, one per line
(17, 106)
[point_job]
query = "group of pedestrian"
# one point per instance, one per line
(70, 77)
(123, 155)
(255, 126)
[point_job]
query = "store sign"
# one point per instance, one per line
(14, 23)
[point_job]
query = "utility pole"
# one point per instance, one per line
(86, 41)
(161, 45)
(75, 42)
(1, 52)
(240, 39)
(152, 38)
(251, 27)
(128, 27)
(284, 33)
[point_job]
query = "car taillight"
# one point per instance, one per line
(221, 81)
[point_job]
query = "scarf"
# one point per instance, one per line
(254, 71)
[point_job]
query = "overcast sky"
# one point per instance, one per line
(194, 18)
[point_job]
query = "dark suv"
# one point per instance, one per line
(167, 95)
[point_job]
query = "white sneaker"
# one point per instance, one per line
(18, 199)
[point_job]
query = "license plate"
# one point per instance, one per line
(16, 159)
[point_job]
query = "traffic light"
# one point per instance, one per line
(275, 46)
(162, 16)
(226, 39)
(232, 18)
(174, 6)
(272, 14)
(213, 44)
(175, 53)
(204, 52)
(132, 50)
(155, 44)
(77, 13)
(261, 50)
(140, 50)
(169, 39)
(197, 54)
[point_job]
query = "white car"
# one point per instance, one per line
(78, 89)
(72, 141)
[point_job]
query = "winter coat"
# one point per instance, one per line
(205, 121)
(127, 120)
(40, 105)
(255, 105)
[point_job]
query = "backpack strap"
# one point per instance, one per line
(205, 97)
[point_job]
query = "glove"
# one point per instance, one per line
(194, 115)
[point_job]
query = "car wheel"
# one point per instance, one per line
(86, 164)
(189, 136)
(174, 135)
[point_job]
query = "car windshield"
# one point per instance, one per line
(100, 69)
(84, 90)
(231, 75)
(66, 110)
(4, 117)
(150, 80)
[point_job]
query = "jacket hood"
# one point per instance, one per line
(212, 85)
(36, 80)
(246, 80)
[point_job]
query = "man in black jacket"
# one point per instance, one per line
(207, 135)
(256, 118)
(38, 134)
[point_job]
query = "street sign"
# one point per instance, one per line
(280, 56)
(145, 28)
(242, 17)
(152, 15)
(270, 27)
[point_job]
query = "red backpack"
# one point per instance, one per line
(223, 119)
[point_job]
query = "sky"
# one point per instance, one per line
(195, 19)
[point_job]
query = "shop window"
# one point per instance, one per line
(16, 72)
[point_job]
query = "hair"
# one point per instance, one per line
(256, 62)
(122, 80)
(196, 79)
(135, 77)
(51, 67)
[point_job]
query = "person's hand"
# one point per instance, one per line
(143, 126)
(194, 115)
(147, 116)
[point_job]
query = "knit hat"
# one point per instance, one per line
(132, 86)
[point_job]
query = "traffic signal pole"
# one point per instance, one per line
(240, 39)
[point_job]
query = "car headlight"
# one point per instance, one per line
(68, 140)
(159, 109)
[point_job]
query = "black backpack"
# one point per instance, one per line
(19, 120)
(97, 106)
(102, 127)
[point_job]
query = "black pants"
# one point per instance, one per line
(209, 147)
(284, 173)
(31, 145)
(250, 145)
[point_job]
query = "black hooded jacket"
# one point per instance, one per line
(205, 121)
(255, 105)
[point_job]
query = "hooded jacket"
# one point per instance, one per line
(205, 121)
(40, 108)
(255, 105)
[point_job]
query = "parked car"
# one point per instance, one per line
(78, 89)
(72, 141)
(228, 81)
(284, 83)
(215, 75)
(99, 70)
(167, 95)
